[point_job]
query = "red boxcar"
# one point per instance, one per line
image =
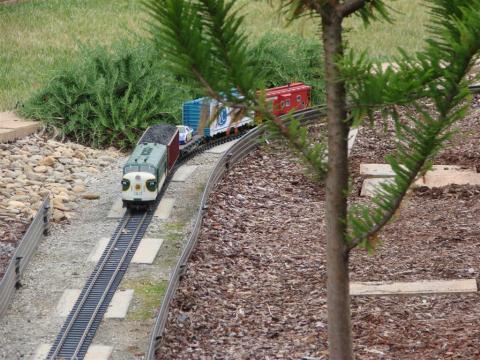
(173, 150)
(294, 96)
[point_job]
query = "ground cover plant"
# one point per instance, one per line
(203, 41)
(109, 98)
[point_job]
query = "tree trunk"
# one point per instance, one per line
(339, 324)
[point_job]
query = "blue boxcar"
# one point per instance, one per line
(195, 110)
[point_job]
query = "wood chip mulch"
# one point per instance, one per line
(11, 231)
(255, 285)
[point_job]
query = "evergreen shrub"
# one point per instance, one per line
(109, 98)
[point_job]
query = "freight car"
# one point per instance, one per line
(158, 149)
(150, 163)
(291, 97)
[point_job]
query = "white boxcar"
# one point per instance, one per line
(205, 108)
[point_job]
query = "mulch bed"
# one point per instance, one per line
(11, 231)
(255, 285)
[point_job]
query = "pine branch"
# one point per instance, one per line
(452, 53)
(313, 154)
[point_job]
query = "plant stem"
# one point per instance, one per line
(338, 298)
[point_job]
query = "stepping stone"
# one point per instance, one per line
(146, 252)
(116, 310)
(385, 170)
(13, 127)
(164, 209)
(98, 250)
(66, 302)
(370, 186)
(424, 287)
(221, 148)
(117, 211)
(352, 135)
(184, 172)
(95, 352)
(441, 178)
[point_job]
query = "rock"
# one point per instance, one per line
(47, 161)
(40, 169)
(80, 155)
(106, 158)
(59, 206)
(78, 188)
(16, 204)
(58, 215)
(91, 196)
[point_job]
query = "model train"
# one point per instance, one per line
(159, 148)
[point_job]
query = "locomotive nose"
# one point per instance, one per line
(138, 184)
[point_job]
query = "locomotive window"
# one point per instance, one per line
(147, 168)
(299, 98)
(282, 104)
(130, 168)
(287, 102)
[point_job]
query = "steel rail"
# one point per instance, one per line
(88, 318)
(112, 279)
(58, 347)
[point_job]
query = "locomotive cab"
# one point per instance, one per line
(144, 175)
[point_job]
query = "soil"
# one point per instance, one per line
(255, 284)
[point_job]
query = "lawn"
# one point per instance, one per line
(39, 36)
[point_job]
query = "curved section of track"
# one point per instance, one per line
(238, 151)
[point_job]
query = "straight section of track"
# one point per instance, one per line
(81, 324)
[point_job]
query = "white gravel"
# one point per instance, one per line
(59, 264)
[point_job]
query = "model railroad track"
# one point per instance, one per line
(79, 329)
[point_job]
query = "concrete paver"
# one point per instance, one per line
(117, 211)
(95, 352)
(370, 186)
(117, 309)
(147, 251)
(385, 170)
(164, 209)
(13, 127)
(441, 178)
(98, 250)
(414, 288)
(67, 301)
(184, 172)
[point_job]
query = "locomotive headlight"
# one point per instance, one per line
(151, 185)
(125, 184)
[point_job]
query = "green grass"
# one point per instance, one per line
(38, 36)
(381, 40)
(148, 295)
